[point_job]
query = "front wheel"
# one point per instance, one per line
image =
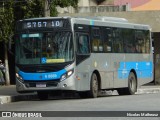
(93, 93)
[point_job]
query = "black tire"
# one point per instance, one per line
(93, 93)
(42, 95)
(132, 86)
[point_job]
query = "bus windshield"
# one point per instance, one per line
(44, 48)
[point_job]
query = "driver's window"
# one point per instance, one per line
(82, 44)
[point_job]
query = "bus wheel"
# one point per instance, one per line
(132, 84)
(93, 93)
(42, 95)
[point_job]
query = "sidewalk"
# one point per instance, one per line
(148, 88)
(8, 93)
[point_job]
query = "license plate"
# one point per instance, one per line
(40, 85)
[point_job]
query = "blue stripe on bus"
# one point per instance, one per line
(42, 76)
(143, 69)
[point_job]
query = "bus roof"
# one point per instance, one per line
(97, 21)
(110, 22)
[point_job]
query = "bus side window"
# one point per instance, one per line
(118, 41)
(97, 45)
(128, 37)
(107, 34)
(147, 41)
(140, 41)
(83, 44)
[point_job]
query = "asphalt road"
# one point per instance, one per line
(142, 102)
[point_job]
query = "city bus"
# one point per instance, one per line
(85, 55)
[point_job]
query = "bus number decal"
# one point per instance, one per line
(51, 76)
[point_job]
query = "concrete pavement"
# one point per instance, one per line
(8, 93)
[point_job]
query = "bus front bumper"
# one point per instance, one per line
(24, 87)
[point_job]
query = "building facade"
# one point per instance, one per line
(91, 6)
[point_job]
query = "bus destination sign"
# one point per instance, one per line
(43, 24)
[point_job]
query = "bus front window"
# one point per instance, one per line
(44, 48)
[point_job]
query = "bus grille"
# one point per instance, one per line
(48, 83)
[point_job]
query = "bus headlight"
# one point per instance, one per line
(19, 77)
(67, 74)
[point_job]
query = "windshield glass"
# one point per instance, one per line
(44, 48)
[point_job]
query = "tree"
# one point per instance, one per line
(13, 10)
(62, 4)
(36, 8)
(6, 32)
(32, 8)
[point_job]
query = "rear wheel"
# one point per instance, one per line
(42, 95)
(93, 93)
(132, 86)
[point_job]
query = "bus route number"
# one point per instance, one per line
(40, 24)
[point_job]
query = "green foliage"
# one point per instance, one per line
(13, 11)
(53, 10)
(32, 8)
(61, 3)
(65, 3)
(35, 8)
(7, 21)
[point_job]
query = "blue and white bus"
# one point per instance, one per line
(84, 55)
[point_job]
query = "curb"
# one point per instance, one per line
(16, 98)
(148, 90)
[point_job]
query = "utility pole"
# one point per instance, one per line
(47, 8)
